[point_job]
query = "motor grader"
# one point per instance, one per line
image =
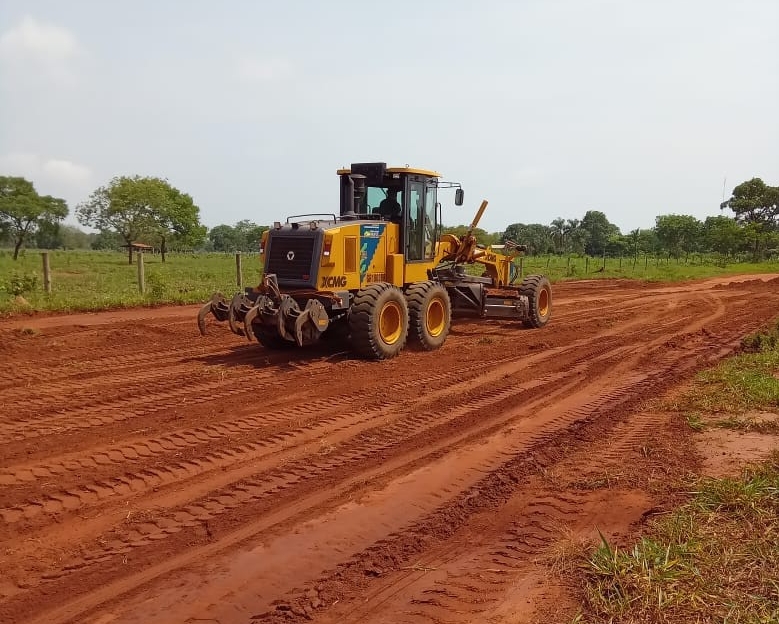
(380, 273)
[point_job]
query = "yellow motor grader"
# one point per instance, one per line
(380, 273)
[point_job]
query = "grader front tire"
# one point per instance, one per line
(538, 290)
(378, 322)
(430, 314)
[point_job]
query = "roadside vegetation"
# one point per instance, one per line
(731, 394)
(99, 280)
(715, 559)
(135, 212)
(94, 280)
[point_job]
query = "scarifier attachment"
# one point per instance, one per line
(218, 306)
(267, 306)
(284, 316)
(239, 306)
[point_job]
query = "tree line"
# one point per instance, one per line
(753, 229)
(149, 210)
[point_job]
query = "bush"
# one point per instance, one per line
(762, 341)
(21, 283)
(156, 286)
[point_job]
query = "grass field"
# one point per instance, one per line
(92, 280)
(715, 559)
(649, 268)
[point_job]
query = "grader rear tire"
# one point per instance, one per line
(539, 293)
(378, 321)
(430, 314)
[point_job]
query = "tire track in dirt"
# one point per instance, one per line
(675, 362)
(413, 595)
(574, 415)
(608, 401)
(126, 484)
(104, 456)
(240, 505)
(465, 581)
(359, 448)
(340, 428)
(270, 429)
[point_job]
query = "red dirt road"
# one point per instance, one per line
(149, 475)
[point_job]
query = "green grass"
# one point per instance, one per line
(739, 384)
(716, 559)
(560, 268)
(92, 280)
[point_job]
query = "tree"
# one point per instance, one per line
(756, 205)
(105, 240)
(723, 235)
(176, 218)
(248, 235)
(224, 238)
(136, 206)
(74, 238)
(537, 237)
(559, 231)
(23, 211)
(618, 245)
(576, 236)
(482, 236)
(678, 234)
(598, 231)
(48, 236)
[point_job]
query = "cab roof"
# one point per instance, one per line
(411, 170)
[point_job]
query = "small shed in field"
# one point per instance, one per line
(140, 247)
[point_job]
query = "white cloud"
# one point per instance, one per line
(40, 49)
(67, 172)
(31, 38)
(51, 176)
(252, 69)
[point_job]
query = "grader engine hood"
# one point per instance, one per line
(293, 254)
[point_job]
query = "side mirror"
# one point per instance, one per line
(459, 196)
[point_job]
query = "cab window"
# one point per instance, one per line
(415, 222)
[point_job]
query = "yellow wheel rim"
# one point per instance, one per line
(390, 322)
(435, 318)
(543, 302)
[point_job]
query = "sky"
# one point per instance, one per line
(546, 108)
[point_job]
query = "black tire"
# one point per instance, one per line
(430, 314)
(538, 290)
(378, 321)
(337, 333)
(269, 339)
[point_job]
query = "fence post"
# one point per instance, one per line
(521, 266)
(238, 272)
(586, 264)
(46, 272)
(141, 275)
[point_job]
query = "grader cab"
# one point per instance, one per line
(380, 273)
